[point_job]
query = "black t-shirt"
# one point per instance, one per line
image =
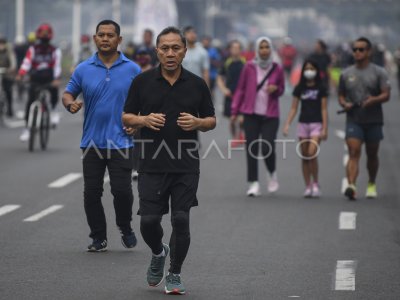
(170, 150)
(310, 101)
(231, 71)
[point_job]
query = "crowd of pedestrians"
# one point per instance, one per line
(162, 91)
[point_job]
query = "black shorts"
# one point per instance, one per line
(155, 190)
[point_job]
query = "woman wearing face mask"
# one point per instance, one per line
(256, 97)
(313, 122)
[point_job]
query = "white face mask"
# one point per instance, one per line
(310, 74)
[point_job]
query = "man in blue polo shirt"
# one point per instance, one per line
(104, 80)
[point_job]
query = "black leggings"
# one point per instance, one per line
(258, 127)
(152, 232)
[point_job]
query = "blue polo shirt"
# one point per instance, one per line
(104, 92)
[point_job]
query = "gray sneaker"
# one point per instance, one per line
(174, 285)
(155, 272)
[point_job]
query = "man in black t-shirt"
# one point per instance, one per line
(169, 104)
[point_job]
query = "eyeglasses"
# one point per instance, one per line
(355, 49)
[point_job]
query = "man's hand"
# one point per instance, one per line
(130, 130)
(154, 121)
(368, 102)
(347, 106)
(75, 106)
(188, 122)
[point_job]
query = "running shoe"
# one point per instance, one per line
(350, 192)
(25, 135)
(155, 272)
(174, 285)
(308, 192)
(316, 192)
(254, 189)
(97, 246)
(129, 240)
(273, 184)
(55, 119)
(371, 191)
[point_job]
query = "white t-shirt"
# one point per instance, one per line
(196, 60)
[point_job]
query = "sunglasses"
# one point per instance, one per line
(358, 49)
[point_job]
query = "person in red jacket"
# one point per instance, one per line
(42, 63)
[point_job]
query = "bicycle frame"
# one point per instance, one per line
(42, 100)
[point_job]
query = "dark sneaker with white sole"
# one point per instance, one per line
(97, 246)
(155, 272)
(129, 240)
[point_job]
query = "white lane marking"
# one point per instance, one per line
(347, 220)
(345, 183)
(43, 213)
(8, 208)
(15, 123)
(65, 180)
(106, 179)
(340, 134)
(345, 279)
(345, 159)
(294, 296)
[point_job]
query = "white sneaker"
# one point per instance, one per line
(316, 192)
(55, 118)
(308, 192)
(273, 184)
(254, 189)
(25, 135)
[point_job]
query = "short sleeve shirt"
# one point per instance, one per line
(196, 60)
(104, 92)
(310, 102)
(356, 85)
(231, 71)
(171, 149)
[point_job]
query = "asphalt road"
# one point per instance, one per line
(278, 246)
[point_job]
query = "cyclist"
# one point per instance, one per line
(42, 63)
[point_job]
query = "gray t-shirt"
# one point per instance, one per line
(196, 60)
(356, 85)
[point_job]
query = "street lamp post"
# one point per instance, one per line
(19, 20)
(76, 30)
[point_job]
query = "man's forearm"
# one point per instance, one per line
(206, 124)
(67, 99)
(132, 120)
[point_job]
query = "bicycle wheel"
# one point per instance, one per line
(44, 128)
(32, 130)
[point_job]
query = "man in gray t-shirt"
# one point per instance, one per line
(196, 59)
(363, 88)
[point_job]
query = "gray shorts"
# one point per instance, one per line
(369, 133)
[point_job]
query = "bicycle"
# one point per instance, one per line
(39, 118)
(2, 96)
